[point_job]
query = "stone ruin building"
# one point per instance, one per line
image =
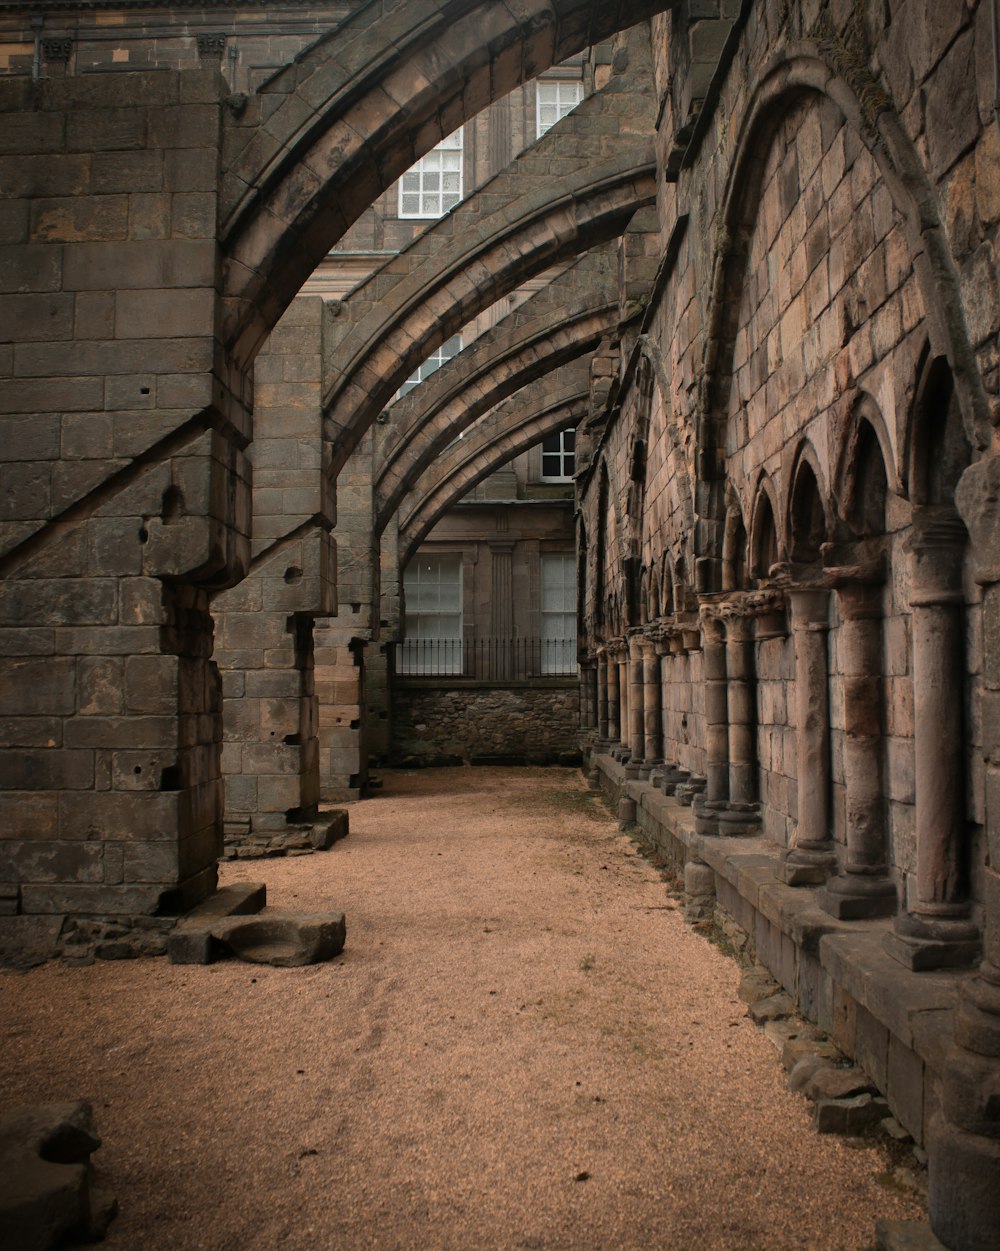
(754, 269)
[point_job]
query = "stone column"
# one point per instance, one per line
(716, 688)
(692, 787)
(935, 931)
(716, 710)
(636, 704)
(588, 694)
(863, 887)
(964, 1137)
(614, 702)
(651, 693)
(742, 713)
(811, 861)
(602, 695)
(623, 701)
(666, 676)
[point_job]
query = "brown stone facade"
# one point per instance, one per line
(780, 352)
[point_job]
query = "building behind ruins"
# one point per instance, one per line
(754, 269)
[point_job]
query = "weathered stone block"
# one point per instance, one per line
(849, 1116)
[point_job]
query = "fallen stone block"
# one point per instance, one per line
(240, 899)
(756, 985)
(849, 1116)
(26, 941)
(772, 1008)
(285, 939)
(839, 1083)
(796, 1048)
(331, 827)
(803, 1071)
(47, 1190)
(192, 943)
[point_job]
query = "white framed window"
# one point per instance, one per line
(553, 100)
(432, 587)
(559, 456)
(434, 185)
(558, 614)
(451, 347)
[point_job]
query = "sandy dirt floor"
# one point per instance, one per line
(522, 1046)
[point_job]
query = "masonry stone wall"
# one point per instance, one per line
(436, 724)
(119, 509)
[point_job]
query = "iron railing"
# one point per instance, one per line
(485, 659)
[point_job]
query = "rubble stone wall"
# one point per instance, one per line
(477, 723)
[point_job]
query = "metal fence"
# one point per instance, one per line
(486, 659)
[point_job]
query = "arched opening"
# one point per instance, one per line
(807, 518)
(870, 489)
(940, 449)
(764, 539)
(734, 552)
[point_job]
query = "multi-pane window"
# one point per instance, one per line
(553, 100)
(434, 185)
(432, 586)
(451, 347)
(558, 456)
(558, 615)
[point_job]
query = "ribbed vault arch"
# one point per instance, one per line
(544, 407)
(322, 139)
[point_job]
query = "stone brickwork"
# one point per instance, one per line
(120, 506)
(437, 724)
(787, 522)
(783, 607)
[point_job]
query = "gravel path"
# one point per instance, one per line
(522, 1046)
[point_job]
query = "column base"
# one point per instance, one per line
(924, 943)
(673, 776)
(686, 791)
(856, 897)
(807, 864)
(633, 769)
(721, 818)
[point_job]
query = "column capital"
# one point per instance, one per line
(810, 607)
(936, 545)
(859, 600)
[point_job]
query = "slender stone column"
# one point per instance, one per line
(964, 1138)
(651, 722)
(636, 703)
(863, 887)
(716, 710)
(602, 695)
(811, 861)
(588, 694)
(614, 702)
(742, 713)
(625, 724)
(667, 749)
(708, 805)
(936, 931)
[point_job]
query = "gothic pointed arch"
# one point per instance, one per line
(764, 542)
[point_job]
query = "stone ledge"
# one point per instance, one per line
(835, 963)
